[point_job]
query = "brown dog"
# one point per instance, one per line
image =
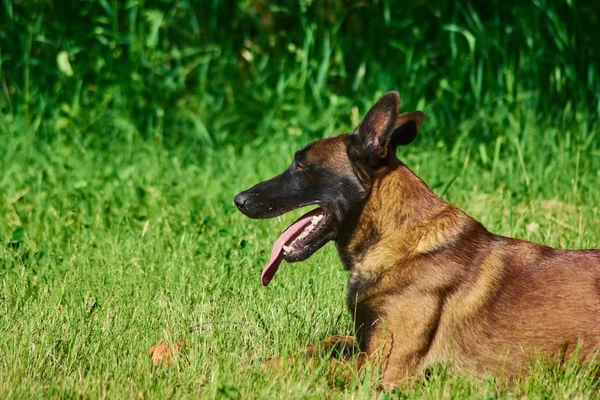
(429, 284)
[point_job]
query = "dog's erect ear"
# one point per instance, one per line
(376, 128)
(407, 126)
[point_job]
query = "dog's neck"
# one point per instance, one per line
(401, 220)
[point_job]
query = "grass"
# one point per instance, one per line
(126, 128)
(107, 249)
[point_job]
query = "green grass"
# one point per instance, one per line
(107, 249)
(126, 128)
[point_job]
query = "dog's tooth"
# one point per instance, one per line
(287, 249)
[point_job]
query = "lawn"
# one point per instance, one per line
(127, 127)
(106, 252)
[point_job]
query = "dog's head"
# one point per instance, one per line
(335, 174)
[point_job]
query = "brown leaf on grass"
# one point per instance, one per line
(161, 353)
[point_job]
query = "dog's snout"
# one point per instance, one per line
(240, 200)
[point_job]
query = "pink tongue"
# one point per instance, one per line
(286, 238)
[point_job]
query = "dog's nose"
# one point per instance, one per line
(240, 200)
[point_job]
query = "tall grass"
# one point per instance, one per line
(211, 72)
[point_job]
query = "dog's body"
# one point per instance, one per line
(429, 284)
(436, 287)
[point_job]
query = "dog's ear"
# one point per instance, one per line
(406, 128)
(376, 128)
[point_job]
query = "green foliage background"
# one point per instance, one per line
(126, 128)
(215, 72)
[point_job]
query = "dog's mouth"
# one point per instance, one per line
(300, 240)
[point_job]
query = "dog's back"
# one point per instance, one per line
(523, 301)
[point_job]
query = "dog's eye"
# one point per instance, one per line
(299, 167)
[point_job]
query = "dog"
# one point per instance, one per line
(428, 284)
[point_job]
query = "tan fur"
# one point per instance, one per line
(437, 287)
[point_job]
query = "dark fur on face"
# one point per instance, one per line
(335, 173)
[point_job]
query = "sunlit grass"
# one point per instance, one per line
(126, 128)
(108, 250)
